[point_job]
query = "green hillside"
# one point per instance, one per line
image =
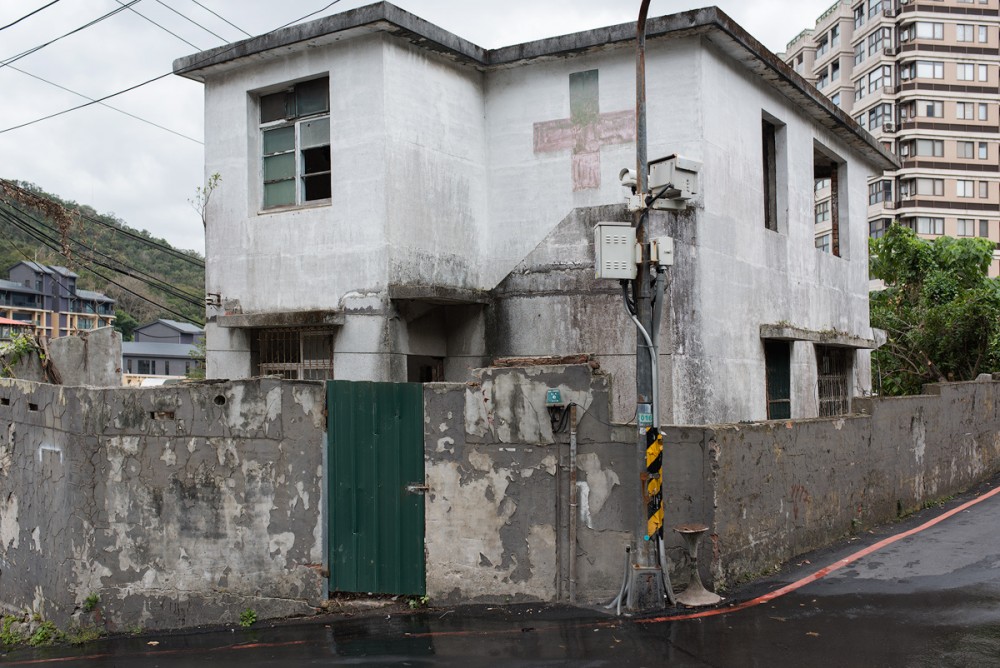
(147, 263)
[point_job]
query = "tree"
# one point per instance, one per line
(125, 324)
(197, 370)
(939, 309)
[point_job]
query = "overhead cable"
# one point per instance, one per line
(198, 262)
(120, 111)
(221, 18)
(191, 20)
(149, 279)
(214, 54)
(161, 27)
(28, 15)
(35, 49)
(55, 247)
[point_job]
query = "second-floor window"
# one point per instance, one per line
(295, 144)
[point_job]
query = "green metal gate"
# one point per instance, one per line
(376, 483)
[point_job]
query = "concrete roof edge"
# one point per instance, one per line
(858, 137)
(719, 27)
(404, 22)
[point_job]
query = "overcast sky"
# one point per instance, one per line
(145, 175)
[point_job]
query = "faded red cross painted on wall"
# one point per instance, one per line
(585, 131)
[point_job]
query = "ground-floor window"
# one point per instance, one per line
(833, 372)
(295, 354)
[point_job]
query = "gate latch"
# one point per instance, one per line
(417, 488)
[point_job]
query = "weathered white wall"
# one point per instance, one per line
(438, 182)
(731, 274)
(435, 167)
(319, 257)
(745, 275)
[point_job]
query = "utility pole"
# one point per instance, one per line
(645, 582)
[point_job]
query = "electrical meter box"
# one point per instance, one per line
(614, 251)
(676, 178)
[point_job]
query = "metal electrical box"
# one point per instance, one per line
(614, 251)
(676, 178)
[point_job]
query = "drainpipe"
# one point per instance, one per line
(573, 505)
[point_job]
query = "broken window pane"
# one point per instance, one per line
(316, 187)
(296, 157)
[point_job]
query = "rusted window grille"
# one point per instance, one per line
(295, 354)
(833, 366)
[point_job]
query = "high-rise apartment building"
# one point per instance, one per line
(922, 77)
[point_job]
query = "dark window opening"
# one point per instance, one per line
(770, 173)
(826, 168)
(778, 370)
(423, 369)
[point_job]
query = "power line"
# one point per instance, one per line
(120, 111)
(190, 20)
(138, 237)
(29, 14)
(5, 215)
(150, 280)
(222, 18)
(166, 30)
(30, 51)
(86, 104)
(154, 79)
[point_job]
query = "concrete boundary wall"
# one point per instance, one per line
(185, 505)
(782, 489)
(498, 511)
(177, 506)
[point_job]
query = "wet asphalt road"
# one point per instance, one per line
(928, 600)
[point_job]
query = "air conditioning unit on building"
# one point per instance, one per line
(890, 13)
(888, 90)
(888, 127)
(890, 51)
(888, 204)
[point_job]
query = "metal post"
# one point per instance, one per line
(645, 580)
(573, 507)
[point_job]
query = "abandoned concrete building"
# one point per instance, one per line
(400, 204)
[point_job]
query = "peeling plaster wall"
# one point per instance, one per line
(498, 507)
(783, 488)
(177, 506)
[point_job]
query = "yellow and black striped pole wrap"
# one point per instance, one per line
(654, 504)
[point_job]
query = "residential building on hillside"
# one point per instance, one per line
(10, 328)
(47, 297)
(163, 348)
(169, 331)
(922, 76)
(410, 205)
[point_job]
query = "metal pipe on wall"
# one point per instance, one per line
(573, 505)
